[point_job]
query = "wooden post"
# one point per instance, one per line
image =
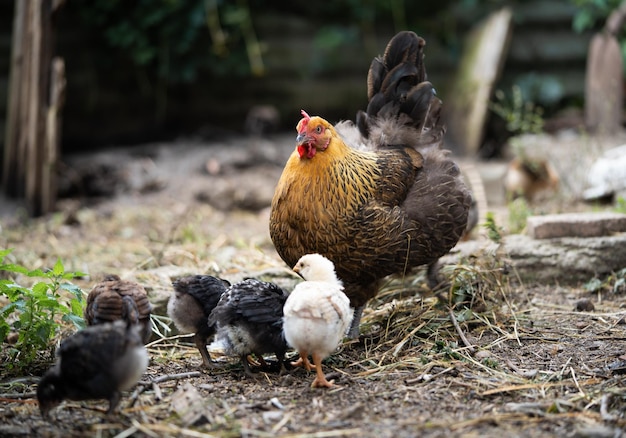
(36, 91)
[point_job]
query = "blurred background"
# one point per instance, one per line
(144, 71)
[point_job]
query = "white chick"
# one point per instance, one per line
(316, 314)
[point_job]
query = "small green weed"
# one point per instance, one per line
(36, 313)
(494, 232)
(519, 211)
(521, 116)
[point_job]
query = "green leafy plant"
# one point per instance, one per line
(519, 211)
(494, 232)
(35, 313)
(614, 283)
(521, 116)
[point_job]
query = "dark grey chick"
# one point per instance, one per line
(249, 320)
(114, 299)
(98, 362)
(190, 305)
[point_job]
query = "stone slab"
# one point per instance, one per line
(575, 225)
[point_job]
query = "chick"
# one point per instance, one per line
(98, 362)
(526, 177)
(190, 305)
(317, 314)
(249, 320)
(114, 299)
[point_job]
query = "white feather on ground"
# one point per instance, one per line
(317, 314)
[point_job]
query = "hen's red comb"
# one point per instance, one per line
(304, 121)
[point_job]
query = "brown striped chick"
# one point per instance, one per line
(317, 314)
(113, 299)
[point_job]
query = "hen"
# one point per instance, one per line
(317, 314)
(95, 363)
(249, 320)
(193, 300)
(378, 198)
(114, 299)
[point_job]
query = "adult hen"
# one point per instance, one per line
(113, 299)
(193, 300)
(98, 362)
(378, 198)
(317, 314)
(249, 320)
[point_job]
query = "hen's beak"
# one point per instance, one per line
(302, 138)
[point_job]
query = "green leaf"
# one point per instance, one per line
(14, 268)
(73, 289)
(78, 321)
(58, 269)
(4, 330)
(40, 289)
(36, 273)
(77, 307)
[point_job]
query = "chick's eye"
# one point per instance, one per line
(318, 129)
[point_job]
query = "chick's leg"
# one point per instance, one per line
(200, 342)
(303, 361)
(246, 366)
(281, 360)
(320, 379)
(353, 333)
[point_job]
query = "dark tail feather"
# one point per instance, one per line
(397, 90)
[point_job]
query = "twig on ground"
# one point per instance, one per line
(143, 385)
(470, 347)
(604, 408)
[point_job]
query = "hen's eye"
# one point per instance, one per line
(318, 129)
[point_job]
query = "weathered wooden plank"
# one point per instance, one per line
(11, 169)
(480, 69)
(32, 139)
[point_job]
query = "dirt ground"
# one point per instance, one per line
(531, 365)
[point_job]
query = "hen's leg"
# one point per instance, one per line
(353, 333)
(432, 275)
(113, 402)
(320, 379)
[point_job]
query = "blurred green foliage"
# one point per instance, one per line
(178, 38)
(592, 14)
(169, 37)
(521, 116)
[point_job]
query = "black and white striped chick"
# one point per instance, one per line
(113, 299)
(98, 362)
(194, 297)
(249, 320)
